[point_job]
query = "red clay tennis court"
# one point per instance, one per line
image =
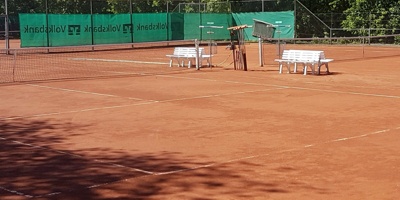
(213, 133)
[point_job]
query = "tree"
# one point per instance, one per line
(380, 16)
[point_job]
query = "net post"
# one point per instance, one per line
(210, 27)
(196, 44)
(260, 51)
(6, 28)
(14, 65)
(363, 46)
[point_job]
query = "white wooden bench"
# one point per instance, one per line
(188, 53)
(308, 58)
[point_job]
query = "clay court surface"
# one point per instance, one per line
(213, 133)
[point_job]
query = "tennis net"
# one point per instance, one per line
(55, 63)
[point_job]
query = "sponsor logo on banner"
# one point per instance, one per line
(127, 28)
(151, 26)
(74, 29)
(45, 29)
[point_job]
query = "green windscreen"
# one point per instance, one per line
(69, 30)
(33, 30)
(282, 21)
(41, 30)
(176, 26)
(211, 21)
(111, 29)
(191, 25)
(150, 27)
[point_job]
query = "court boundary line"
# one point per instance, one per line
(136, 104)
(74, 155)
(121, 61)
(207, 96)
(286, 150)
(310, 83)
(86, 92)
(300, 148)
(145, 172)
(295, 87)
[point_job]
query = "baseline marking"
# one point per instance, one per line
(135, 104)
(16, 192)
(148, 173)
(122, 61)
(75, 155)
(278, 152)
(236, 82)
(84, 92)
(294, 87)
(77, 111)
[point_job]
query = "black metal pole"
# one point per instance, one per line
(6, 34)
(91, 22)
(47, 25)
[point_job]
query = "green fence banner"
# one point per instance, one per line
(33, 30)
(176, 30)
(150, 27)
(69, 30)
(191, 25)
(283, 22)
(211, 21)
(41, 30)
(111, 28)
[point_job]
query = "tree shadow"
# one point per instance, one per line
(31, 167)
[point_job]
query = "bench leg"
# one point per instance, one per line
(208, 61)
(312, 66)
(327, 68)
(295, 68)
(170, 63)
(305, 69)
(189, 63)
(288, 67)
(280, 68)
(319, 68)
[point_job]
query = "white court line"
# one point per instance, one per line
(279, 152)
(75, 155)
(218, 95)
(135, 104)
(77, 111)
(351, 93)
(145, 172)
(235, 82)
(293, 87)
(259, 155)
(123, 61)
(148, 173)
(85, 92)
(16, 192)
(232, 160)
(208, 96)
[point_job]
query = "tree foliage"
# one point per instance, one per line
(378, 15)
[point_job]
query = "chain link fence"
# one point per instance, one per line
(308, 24)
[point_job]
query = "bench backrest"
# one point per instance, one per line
(322, 56)
(302, 55)
(187, 51)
